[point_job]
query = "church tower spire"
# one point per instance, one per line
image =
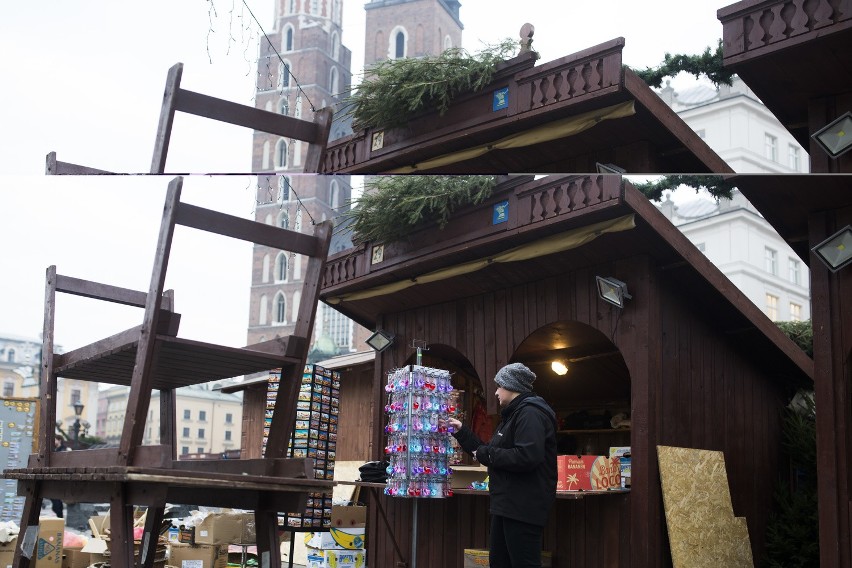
(410, 28)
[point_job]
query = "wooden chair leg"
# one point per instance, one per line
(120, 528)
(151, 537)
(268, 545)
(25, 550)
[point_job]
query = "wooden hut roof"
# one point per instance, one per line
(789, 53)
(553, 224)
(786, 202)
(565, 115)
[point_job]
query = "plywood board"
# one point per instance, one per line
(703, 531)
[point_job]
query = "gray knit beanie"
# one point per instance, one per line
(515, 377)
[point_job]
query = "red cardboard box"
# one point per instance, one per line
(587, 473)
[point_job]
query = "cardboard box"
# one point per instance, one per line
(7, 553)
(348, 516)
(197, 555)
(48, 545)
(619, 451)
(477, 558)
(464, 475)
(226, 528)
(348, 539)
(75, 558)
(336, 558)
(587, 473)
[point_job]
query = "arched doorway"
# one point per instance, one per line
(592, 399)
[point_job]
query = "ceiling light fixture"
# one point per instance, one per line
(559, 367)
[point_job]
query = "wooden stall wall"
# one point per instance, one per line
(712, 396)
(356, 413)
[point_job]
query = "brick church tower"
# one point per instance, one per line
(410, 28)
(302, 68)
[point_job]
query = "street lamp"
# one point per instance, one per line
(75, 428)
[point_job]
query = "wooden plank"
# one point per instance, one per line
(54, 167)
(140, 388)
(247, 230)
(98, 291)
(249, 117)
(47, 393)
(316, 150)
(167, 117)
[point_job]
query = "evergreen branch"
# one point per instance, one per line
(717, 186)
(391, 207)
(708, 64)
(395, 89)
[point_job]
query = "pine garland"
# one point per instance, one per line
(717, 186)
(392, 206)
(708, 64)
(395, 89)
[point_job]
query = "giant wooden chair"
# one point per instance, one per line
(315, 132)
(152, 356)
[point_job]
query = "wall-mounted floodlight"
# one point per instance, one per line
(559, 367)
(612, 290)
(836, 251)
(835, 138)
(380, 340)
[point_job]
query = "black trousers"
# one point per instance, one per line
(514, 544)
(56, 505)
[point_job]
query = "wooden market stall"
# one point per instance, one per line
(566, 115)
(689, 359)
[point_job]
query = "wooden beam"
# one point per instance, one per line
(54, 167)
(167, 117)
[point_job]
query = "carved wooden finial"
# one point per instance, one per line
(527, 31)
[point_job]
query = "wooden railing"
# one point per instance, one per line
(570, 77)
(752, 25)
(542, 200)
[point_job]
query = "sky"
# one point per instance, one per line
(85, 79)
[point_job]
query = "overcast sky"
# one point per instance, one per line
(85, 79)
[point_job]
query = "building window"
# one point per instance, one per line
(771, 260)
(771, 146)
(201, 433)
(10, 356)
(399, 45)
(314, 7)
(793, 157)
(284, 220)
(284, 107)
(8, 389)
(227, 435)
(281, 153)
(264, 275)
(338, 327)
(794, 271)
(186, 432)
(448, 42)
(200, 450)
(261, 316)
(334, 198)
(288, 39)
(184, 450)
(335, 45)
(283, 191)
(229, 418)
(264, 163)
(284, 75)
(772, 307)
(75, 396)
(202, 415)
(281, 267)
(186, 415)
(795, 312)
(333, 87)
(280, 309)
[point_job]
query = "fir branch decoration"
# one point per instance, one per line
(395, 89)
(717, 186)
(392, 206)
(708, 64)
(801, 332)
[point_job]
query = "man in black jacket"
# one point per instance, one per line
(521, 460)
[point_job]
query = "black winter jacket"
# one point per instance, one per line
(521, 459)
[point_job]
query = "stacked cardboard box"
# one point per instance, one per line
(478, 558)
(198, 555)
(228, 527)
(46, 550)
(339, 548)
